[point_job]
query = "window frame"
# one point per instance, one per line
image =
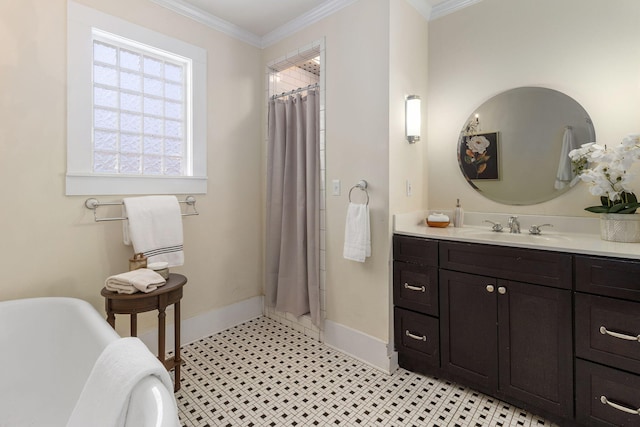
(80, 178)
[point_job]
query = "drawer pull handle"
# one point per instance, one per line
(415, 337)
(619, 407)
(604, 331)
(414, 288)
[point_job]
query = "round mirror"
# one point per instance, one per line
(514, 148)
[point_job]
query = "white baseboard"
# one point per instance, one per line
(363, 347)
(206, 324)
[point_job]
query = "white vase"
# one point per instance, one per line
(620, 227)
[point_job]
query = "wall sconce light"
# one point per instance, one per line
(412, 118)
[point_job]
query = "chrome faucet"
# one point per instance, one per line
(514, 225)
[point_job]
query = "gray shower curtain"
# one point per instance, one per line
(293, 206)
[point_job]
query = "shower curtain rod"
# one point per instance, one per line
(291, 92)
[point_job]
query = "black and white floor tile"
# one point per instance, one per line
(262, 373)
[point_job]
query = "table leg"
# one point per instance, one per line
(176, 345)
(134, 324)
(111, 319)
(161, 334)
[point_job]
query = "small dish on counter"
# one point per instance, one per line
(437, 220)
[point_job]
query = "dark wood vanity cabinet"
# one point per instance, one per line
(415, 295)
(607, 337)
(509, 338)
(504, 317)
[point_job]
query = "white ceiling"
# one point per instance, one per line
(263, 22)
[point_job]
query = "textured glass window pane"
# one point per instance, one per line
(173, 110)
(172, 166)
(152, 165)
(130, 81)
(153, 106)
(130, 102)
(173, 72)
(105, 97)
(129, 143)
(105, 75)
(173, 128)
(152, 145)
(105, 141)
(172, 147)
(130, 163)
(104, 53)
(152, 86)
(129, 60)
(173, 91)
(105, 119)
(130, 122)
(152, 125)
(105, 162)
(152, 67)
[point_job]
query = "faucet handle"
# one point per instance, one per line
(535, 229)
(496, 225)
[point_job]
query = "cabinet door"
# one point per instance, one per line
(535, 348)
(468, 333)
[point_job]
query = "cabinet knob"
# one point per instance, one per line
(490, 288)
(502, 290)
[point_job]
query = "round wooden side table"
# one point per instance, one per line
(140, 302)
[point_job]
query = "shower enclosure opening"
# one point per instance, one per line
(296, 78)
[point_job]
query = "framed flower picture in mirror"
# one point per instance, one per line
(479, 156)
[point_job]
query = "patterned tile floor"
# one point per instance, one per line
(262, 373)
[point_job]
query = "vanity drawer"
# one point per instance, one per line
(523, 265)
(596, 385)
(415, 287)
(617, 278)
(417, 336)
(415, 250)
(607, 345)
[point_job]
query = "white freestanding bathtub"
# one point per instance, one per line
(48, 347)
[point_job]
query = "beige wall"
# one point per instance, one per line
(50, 244)
(375, 56)
(587, 49)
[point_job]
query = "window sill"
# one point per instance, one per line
(99, 185)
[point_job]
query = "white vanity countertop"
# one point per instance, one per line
(551, 239)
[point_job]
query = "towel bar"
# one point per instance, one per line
(94, 204)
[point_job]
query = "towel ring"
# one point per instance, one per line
(362, 185)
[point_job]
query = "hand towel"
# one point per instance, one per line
(142, 279)
(357, 233)
(119, 368)
(565, 168)
(154, 227)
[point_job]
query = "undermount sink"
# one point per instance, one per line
(505, 236)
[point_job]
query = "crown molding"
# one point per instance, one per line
(450, 6)
(314, 15)
(304, 20)
(197, 14)
(423, 7)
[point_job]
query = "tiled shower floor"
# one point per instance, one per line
(262, 373)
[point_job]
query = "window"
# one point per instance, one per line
(136, 109)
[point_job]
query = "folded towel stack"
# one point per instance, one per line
(142, 279)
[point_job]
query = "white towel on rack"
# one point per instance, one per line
(154, 227)
(565, 168)
(119, 368)
(357, 233)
